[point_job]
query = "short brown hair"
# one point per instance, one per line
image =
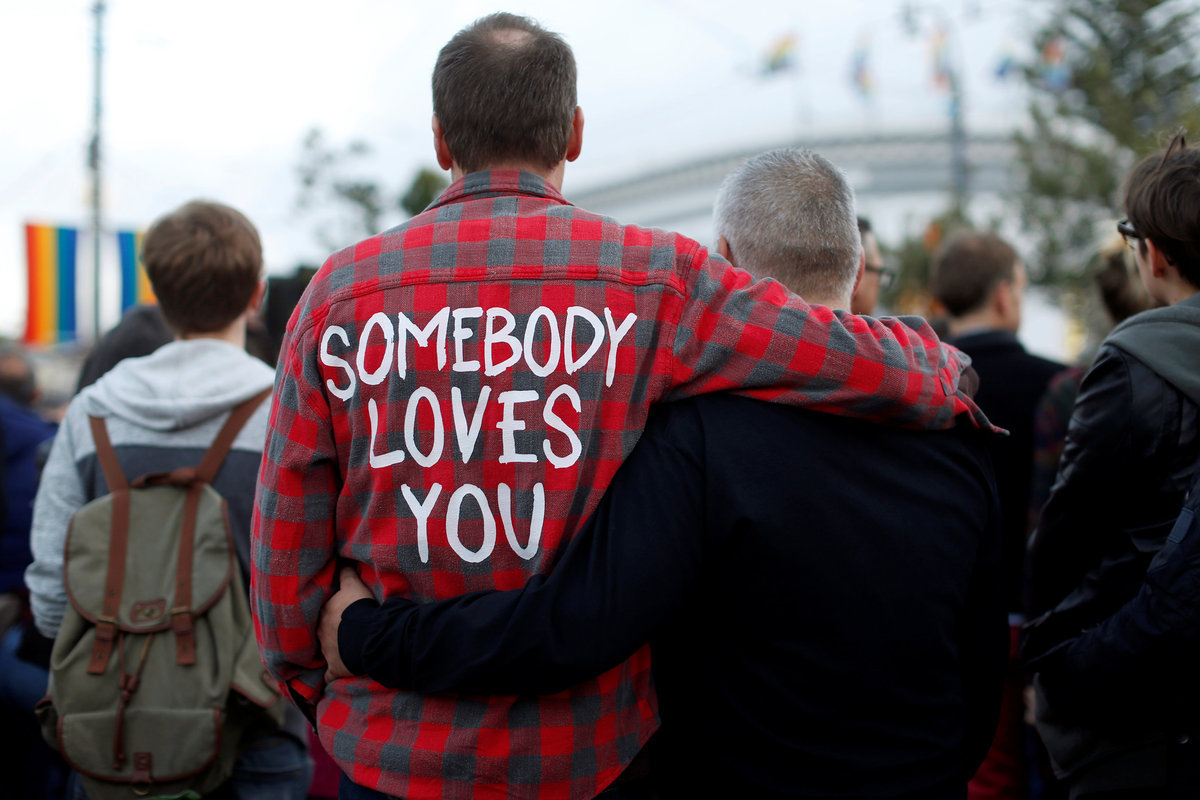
(968, 268)
(204, 261)
(1162, 202)
(505, 98)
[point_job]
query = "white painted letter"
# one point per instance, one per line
(330, 360)
(389, 335)
(615, 335)
(389, 458)
(461, 334)
(465, 434)
(489, 524)
(542, 370)
(491, 336)
(508, 425)
(410, 427)
(555, 421)
(580, 312)
(405, 326)
(421, 512)
(504, 501)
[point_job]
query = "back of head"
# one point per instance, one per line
(504, 92)
(204, 261)
(1162, 202)
(788, 214)
(141, 331)
(968, 268)
(18, 381)
(1122, 293)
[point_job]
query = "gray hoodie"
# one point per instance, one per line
(162, 411)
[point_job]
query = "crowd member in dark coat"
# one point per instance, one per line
(29, 767)
(822, 596)
(1132, 447)
(980, 280)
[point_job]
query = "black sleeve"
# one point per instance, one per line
(625, 573)
(984, 638)
(1144, 657)
(1093, 481)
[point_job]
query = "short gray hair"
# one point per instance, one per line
(789, 214)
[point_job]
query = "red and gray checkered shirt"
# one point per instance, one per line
(454, 396)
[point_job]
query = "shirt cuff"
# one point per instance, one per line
(353, 632)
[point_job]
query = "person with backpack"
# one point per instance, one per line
(141, 545)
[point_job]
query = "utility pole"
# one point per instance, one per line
(94, 166)
(959, 168)
(958, 140)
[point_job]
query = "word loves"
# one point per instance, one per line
(547, 345)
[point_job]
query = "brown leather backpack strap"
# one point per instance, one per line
(181, 609)
(211, 462)
(118, 486)
(110, 467)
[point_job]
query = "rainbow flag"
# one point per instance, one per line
(135, 286)
(939, 57)
(860, 67)
(1056, 73)
(781, 56)
(50, 316)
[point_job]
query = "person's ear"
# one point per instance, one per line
(258, 298)
(1002, 297)
(724, 250)
(444, 159)
(862, 270)
(575, 145)
(1157, 258)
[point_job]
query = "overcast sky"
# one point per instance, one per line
(213, 99)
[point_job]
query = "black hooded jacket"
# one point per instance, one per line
(1129, 461)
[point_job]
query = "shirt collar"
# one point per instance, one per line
(987, 337)
(495, 182)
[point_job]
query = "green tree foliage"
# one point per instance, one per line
(914, 259)
(425, 188)
(347, 204)
(1113, 81)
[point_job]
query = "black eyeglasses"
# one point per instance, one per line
(886, 276)
(1128, 232)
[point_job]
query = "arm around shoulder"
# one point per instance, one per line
(735, 333)
(626, 572)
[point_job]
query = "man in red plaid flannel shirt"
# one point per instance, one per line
(455, 394)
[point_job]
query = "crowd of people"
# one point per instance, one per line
(547, 505)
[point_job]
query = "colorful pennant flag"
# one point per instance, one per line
(51, 254)
(781, 56)
(1006, 64)
(860, 67)
(939, 56)
(1055, 72)
(135, 286)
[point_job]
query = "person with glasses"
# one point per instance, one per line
(1119, 709)
(876, 277)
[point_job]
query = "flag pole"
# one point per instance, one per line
(94, 166)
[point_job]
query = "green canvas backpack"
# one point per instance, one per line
(155, 674)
